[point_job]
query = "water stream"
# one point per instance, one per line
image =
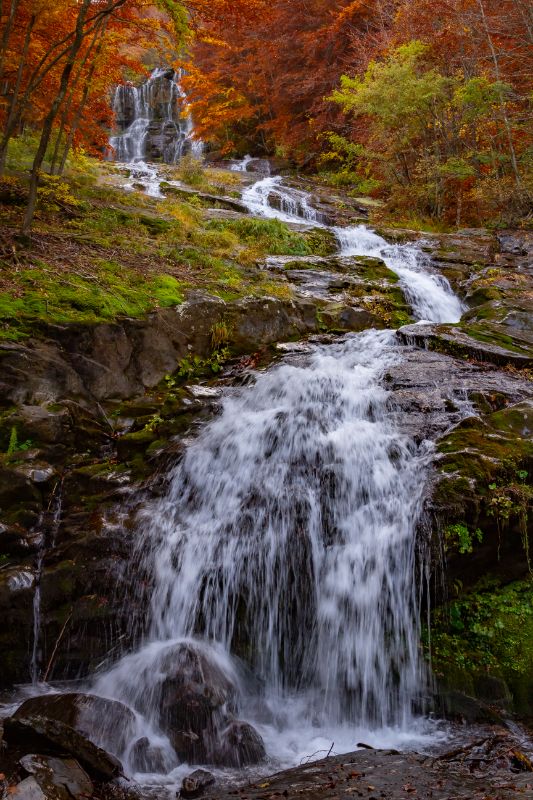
(285, 547)
(152, 125)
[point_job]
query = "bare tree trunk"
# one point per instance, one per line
(7, 33)
(497, 73)
(83, 101)
(68, 105)
(49, 121)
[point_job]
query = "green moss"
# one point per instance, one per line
(113, 291)
(493, 336)
(488, 631)
(373, 269)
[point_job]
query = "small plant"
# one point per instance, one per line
(219, 335)
(194, 366)
(14, 445)
(54, 193)
(154, 421)
(459, 536)
(191, 171)
(512, 500)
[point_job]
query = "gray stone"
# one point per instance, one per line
(59, 779)
(240, 745)
(28, 789)
(195, 784)
(106, 723)
(55, 738)
(146, 758)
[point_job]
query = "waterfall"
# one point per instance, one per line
(267, 198)
(429, 293)
(150, 122)
(285, 544)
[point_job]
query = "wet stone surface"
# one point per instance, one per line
(389, 775)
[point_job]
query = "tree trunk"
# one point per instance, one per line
(497, 73)
(68, 105)
(49, 121)
(12, 114)
(7, 33)
(83, 101)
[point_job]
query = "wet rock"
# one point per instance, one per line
(52, 737)
(58, 779)
(455, 342)
(469, 773)
(195, 699)
(460, 707)
(107, 723)
(240, 745)
(146, 758)
(195, 784)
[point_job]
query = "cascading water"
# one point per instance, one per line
(267, 198)
(429, 293)
(151, 121)
(287, 538)
(283, 555)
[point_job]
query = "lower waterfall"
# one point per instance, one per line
(284, 551)
(287, 536)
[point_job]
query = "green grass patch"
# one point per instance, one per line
(265, 236)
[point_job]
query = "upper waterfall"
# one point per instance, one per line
(151, 121)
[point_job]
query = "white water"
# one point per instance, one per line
(300, 501)
(156, 116)
(155, 103)
(242, 166)
(267, 198)
(428, 293)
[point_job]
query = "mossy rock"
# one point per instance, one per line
(322, 242)
(373, 269)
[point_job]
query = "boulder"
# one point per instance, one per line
(462, 708)
(58, 779)
(195, 784)
(240, 745)
(196, 691)
(55, 738)
(106, 723)
(455, 342)
(146, 758)
(28, 789)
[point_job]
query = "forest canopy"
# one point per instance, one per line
(425, 104)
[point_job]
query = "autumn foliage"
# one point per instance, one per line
(58, 62)
(424, 102)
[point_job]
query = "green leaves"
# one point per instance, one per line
(179, 16)
(398, 93)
